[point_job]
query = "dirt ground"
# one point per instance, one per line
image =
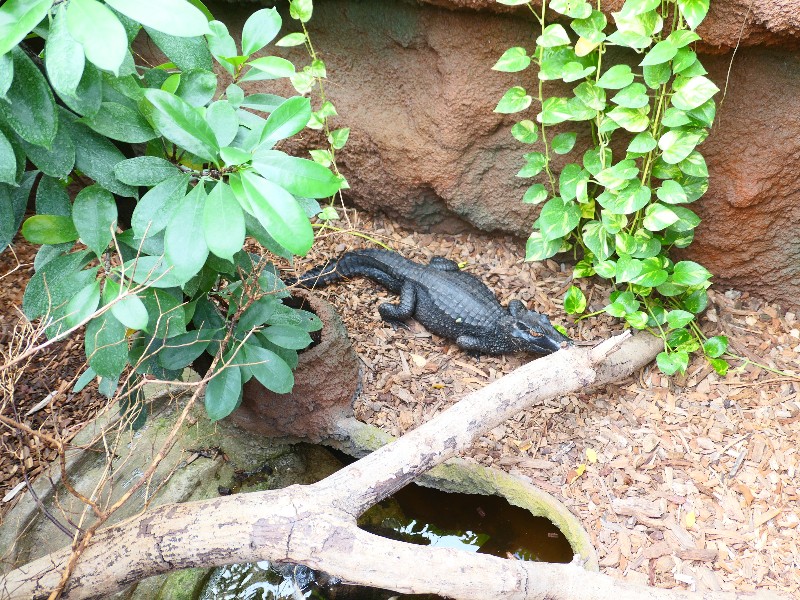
(689, 481)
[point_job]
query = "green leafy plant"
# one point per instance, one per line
(200, 167)
(622, 205)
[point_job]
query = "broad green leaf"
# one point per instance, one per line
(89, 94)
(663, 51)
(628, 200)
(121, 123)
(679, 318)
(558, 218)
(716, 346)
(569, 179)
(606, 269)
(623, 241)
(591, 95)
(185, 245)
(181, 124)
(574, 301)
(197, 87)
(632, 96)
(576, 9)
(180, 351)
(128, 308)
(269, 369)
(629, 39)
(223, 222)
(525, 131)
(292, 39)
(642, 143)
(637, 320)
(167, 317)
(18, 18)
(634, 120)
(106, 345)
(289, 118)
(612, 223)
(694, 92)
(595, 162)
(632, 8)
(669, 364)
(597, 240)
(301, 10)
(271, 67)
(56, 161)
(690, 273)
(651, 274)
(287, 336)
(8, 161)
(52, 198)
(338, 138)
(29, 107)
(266, 102)
(537, 248)
(94, 213)
(720, 366)
(617, 176)
(155, 209)
(223, 393)
(84, 380)
(591, 28)
(693, 11)
(677, 144)
(299, 176)
(555, 110)
(7, 72)
(563, 142)
(99, 31)
(628, 268)
(687, 220)
(54, 284)
(234, 156)
(82, 305)
(704, 114)
(681, 38)
(513, 60)
(574, 71)
(145, 170)
(96, 156)
(656, 75)
(63, 59)
(622, 303)
(616, 78)
(536, 161)
(186, 53)
(49, 229)
(536, 194)
(553, 35)
(514, 100)
(696, 302)
(276, 210)
(695, 165)
(13, 202)
(222, 118)
(173, 17)
(658, 216)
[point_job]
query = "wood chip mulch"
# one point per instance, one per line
(689, 481)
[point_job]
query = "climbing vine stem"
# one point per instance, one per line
(638, 117)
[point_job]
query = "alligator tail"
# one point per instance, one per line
(318, 276)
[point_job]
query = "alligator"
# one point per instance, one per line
(445, 300)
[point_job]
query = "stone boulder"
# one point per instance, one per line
(415, 85)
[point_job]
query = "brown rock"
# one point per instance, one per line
(414, 83)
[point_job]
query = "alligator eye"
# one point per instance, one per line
(522, 326)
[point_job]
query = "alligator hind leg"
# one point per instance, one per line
(395, 314)
(443, 264)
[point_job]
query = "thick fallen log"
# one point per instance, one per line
(316, 525)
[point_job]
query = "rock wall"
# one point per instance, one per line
(413, 81)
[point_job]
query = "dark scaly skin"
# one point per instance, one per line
(447, 301)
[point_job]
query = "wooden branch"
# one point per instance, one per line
(315, 525)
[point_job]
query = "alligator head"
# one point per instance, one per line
(532, 331)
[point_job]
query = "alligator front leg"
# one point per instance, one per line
(476, 346)
(397, 313)
(443, 264)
